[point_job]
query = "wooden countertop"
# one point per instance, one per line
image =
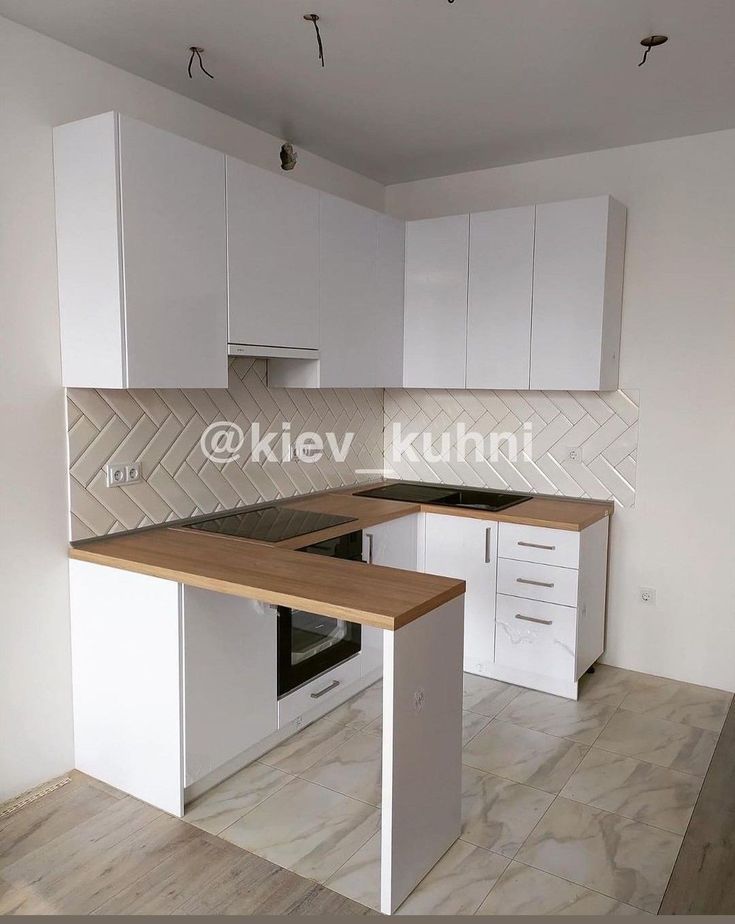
(375, 596)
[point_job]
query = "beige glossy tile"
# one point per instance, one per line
(374, 728)
(221, 806)
(524, 755)
(307, 747)
(305, 828)
(485, 696)
(362, 709)
(566, 718)
(668, 744)
(636, 789)
(522, 890)
(472, 724)
(684, 703)
(499, 814)
(353, 769)
(613, 684)
(621, 858)
(359, 877)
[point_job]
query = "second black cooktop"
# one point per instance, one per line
(270, 524)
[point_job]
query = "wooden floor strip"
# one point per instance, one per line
(703, 879)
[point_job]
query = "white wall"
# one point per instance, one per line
(678, 344)
(45, 83)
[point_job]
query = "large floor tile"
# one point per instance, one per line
(580, 720)
(361, 709)
(635, 788)
(352, 769)
(499, 814)
(485, 696)
(456, 885)
(613, 684)
(472, 723)
(303, 750)
(525, 891)
(668, 744)
(624, 859)
(305, 828)
(221, 806)
(524, 755)
(681, 702)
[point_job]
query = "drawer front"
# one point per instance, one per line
(537, 637)
(538, 582)
(545, 546)
(318, 694)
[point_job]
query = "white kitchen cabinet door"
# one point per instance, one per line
(464, 547)
(577, 294)
(435, 310)
(386, 341)
(395, 545)
(141, 246)
(272, 259)
(230, 678)
(499, 298)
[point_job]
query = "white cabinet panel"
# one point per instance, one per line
(536, 543)
(230, 688)
(577, 294)
(321, 694)
(538, 582)
(142, 256)
(462, 547)
(535, 637)
(435, 326)
(499, 298)
(386, 340)
(273, 258)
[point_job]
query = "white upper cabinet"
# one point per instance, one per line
(499, 298)
(361, 266)
(436, 302)
(272, 259)
(577, 294)
(142, 256)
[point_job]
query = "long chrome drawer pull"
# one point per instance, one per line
(535, 583)
(328, 689)
(488, 542)
(542, 622)
(536, 545)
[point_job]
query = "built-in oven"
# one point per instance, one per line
(310, 644)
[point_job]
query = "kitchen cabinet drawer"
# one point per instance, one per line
(538, 582)
(319, 693)
(536, 637)
(533, 543)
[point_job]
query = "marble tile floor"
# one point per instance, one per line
(568, 807)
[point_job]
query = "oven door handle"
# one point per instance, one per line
(328, 689)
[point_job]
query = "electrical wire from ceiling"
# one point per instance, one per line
(196, 51)
(314, 18)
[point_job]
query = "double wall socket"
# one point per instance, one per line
(122, 473)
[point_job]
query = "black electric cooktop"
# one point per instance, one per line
(447, 496)
(270, 524)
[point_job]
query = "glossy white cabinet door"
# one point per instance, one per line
(499, 298)
(386, 343)
(140, 219)
(463, 547)
(435, 311)
(273, 258)
(230, 683)
(577, 294)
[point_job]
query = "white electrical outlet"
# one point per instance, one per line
(574, 454)
(648, 596)
(122, 473)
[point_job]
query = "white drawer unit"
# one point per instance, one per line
(319, 695)
(536, 637)
(538, 582)
(534, 543)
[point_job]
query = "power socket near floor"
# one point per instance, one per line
(122, 473)
(647, 596)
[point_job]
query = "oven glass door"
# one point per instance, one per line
(309, 644)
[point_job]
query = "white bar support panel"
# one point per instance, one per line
(422, 748)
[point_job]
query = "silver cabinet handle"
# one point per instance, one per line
(328, 689)
(541, 622)
(535, 583)
(536, 545)
(370, 538)
(488, 543)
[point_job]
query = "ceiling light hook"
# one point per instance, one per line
(649, 42)
(314, 17)
(196, 50)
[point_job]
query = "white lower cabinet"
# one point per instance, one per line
(321, 694)
(465, 547)
(230, 694)
(535, 637)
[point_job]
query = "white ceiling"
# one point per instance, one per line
(416, 88)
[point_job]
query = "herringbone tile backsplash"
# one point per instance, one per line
(161, 430)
